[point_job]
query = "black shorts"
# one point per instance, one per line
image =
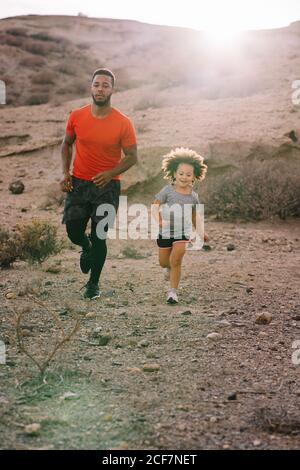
(85, 198)
(168, 242)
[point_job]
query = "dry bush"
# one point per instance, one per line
(259, 190)
(131, 252)
(17, 31)
(59, 336)
(10, 247)
(37, 98)
(65, 68)
(37, 47)
(34, 61)
(11, 40)
(42, 36)
(44, 78)
(39, 241)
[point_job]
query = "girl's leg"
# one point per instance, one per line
(176, 256)
(164, 257)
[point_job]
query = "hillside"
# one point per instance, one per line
(140, 374)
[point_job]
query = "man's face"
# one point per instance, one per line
(102, 89)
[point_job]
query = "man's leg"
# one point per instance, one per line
(98, 255)
(76, 232)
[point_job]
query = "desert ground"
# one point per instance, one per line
(220, 369)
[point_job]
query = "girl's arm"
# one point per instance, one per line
(155, 211)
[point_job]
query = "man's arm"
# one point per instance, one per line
(66, 156)
(130, 159)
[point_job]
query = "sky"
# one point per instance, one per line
(210, 15)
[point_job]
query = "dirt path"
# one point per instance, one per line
(159, 382)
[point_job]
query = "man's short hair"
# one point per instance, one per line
(105, 72)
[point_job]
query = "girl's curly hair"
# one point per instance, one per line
(183, 155)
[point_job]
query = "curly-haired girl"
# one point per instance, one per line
(175, 209)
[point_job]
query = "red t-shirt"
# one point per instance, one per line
(99, 141)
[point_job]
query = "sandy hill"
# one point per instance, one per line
(230, 101)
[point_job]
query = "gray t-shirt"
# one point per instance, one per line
(176, 212)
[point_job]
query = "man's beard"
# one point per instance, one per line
(101, 103)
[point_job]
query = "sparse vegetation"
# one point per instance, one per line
(33, 61)
(44, 78)
(39, 241)
(259, 190)
(10, 247)
(42, 363)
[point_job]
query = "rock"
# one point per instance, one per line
(223, 323)
(214, 336)
(134, 370)
(32, 429)
(230, 247)
(53, 268)
(96, 333)
(11, 295)
(69, 396)
(3, 399)
(16, 187)
(121, 446)
(154, 367)
(25, 333)
(256, 442)
(186, 312)
(90, 315)
(21, 173)
(143, 344)
(206, 247)
(262, 334)
(232, 396)
(249, 290)
(263, 318)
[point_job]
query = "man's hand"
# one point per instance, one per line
(101, 179)
(66, 184)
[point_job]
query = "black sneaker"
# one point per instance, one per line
(85, 261)
(92, 291)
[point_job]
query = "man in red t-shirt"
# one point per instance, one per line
(100, 133)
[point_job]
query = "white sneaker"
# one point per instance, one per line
(167, 274)
(172, 297)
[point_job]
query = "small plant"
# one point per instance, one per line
(10, 247)
(130, 252)
(39, 241)
(43, 363)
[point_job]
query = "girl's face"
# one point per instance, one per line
(184, 175)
